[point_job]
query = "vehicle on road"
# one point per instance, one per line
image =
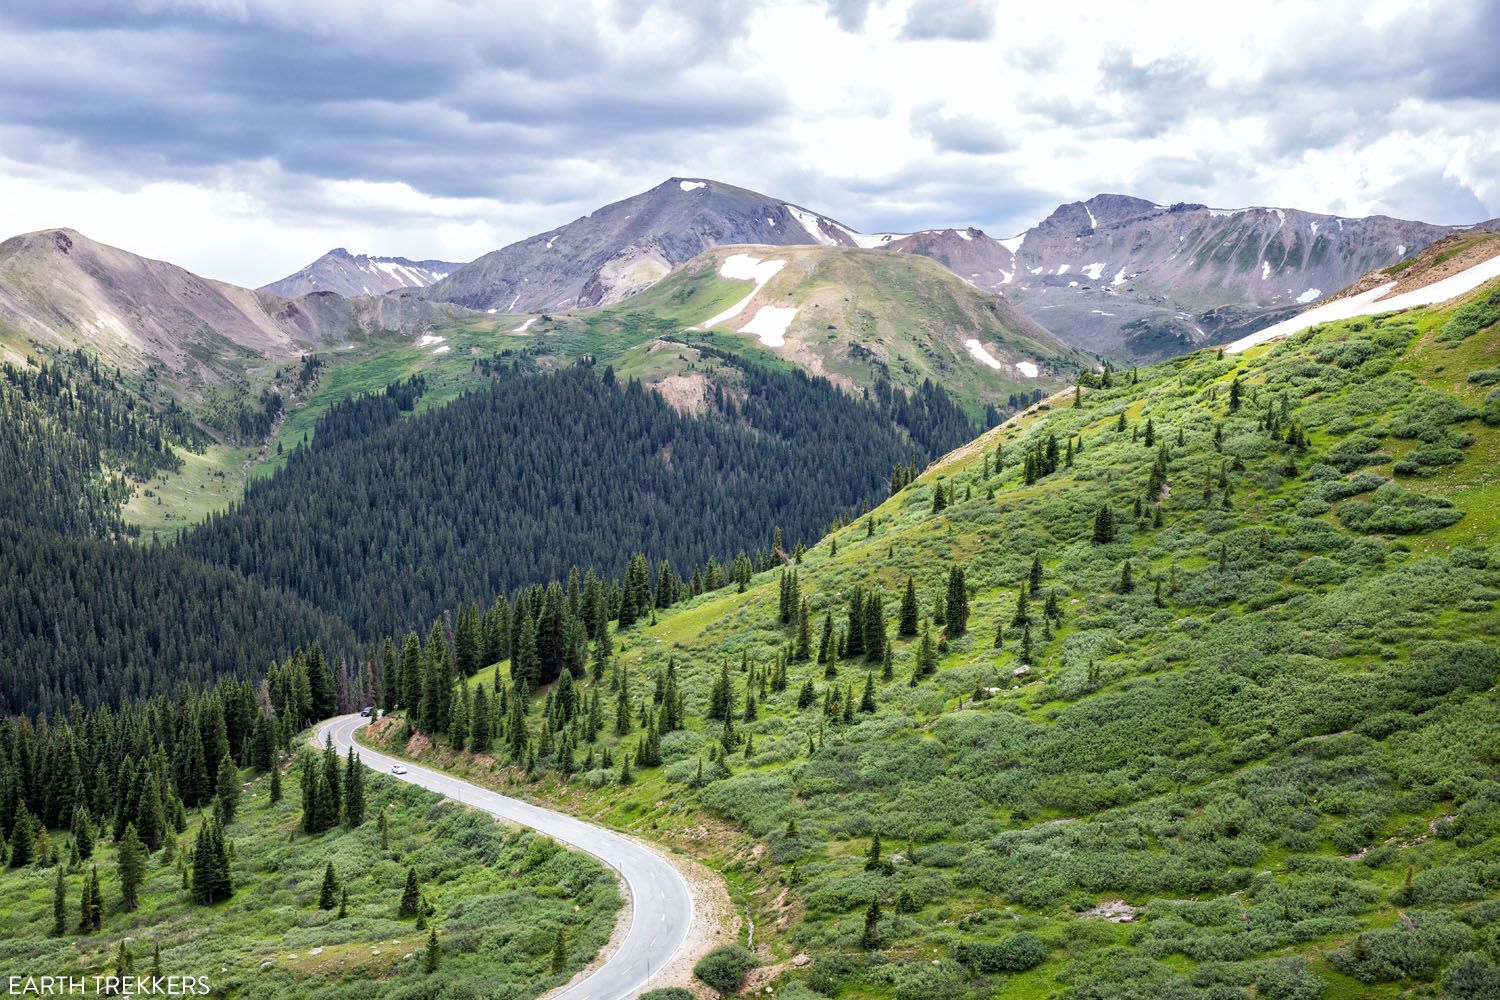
(398, 768)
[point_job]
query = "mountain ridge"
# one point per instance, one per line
(350, 274)
(1114, 273)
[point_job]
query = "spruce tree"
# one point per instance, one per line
(411, 896)
(328, 894)
(957, 611)
(559, 951)
(872, 857)
(275, 778)
(83, 831)
(1127, 578)
(1034, 579)
(867, 700)
(94, 910)
(721, 698)
(130, 858)
(227, 789)
(211, 878)
(432, 957)
(907, 624)
(1104, 525)
(870, 937)
(354, 790)
(22, 837)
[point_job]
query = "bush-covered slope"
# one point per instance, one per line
(1239, 738)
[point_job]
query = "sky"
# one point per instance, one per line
(243, 138)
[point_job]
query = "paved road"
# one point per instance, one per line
(662, 911)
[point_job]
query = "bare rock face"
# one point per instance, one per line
(344, 273)
(621, 248)
(61, 289)
(1129, 277)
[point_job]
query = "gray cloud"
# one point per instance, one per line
(548, 112)
(960, 133)
(955, 20)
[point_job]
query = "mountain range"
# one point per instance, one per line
(1115, 274)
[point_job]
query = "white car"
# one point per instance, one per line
(398, 768)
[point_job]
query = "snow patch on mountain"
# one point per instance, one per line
(1094, 271)
(984, 357)
(1028, 368)
(691, 185)
(1310, 295)
(813, 224)
(770, 323)
(1374, 301)
(743, 267)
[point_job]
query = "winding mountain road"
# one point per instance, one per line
(661, 910)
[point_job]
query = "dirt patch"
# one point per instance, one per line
(685, 393)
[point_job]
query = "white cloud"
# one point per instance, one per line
(445, 129)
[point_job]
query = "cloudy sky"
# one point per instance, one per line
(242, 138)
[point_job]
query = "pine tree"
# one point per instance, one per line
(83, 831)
(802, 651)
(479, 728)
(354, 790)
(328, 894)
(870, 937)
(1235, 394)
(411, 896)
(559, 951)
(1104, 526)
(907, 624)
(130, 858)
(211, 878)
(926, 656)
(22, 837)
(432, 957)
(227, 789)
(1034, 579)
(344, 903)
(94, 904)
(867, 700)
(1127, 578)
(275, 778)
(721, 698)
(872, 857)
(957, 611)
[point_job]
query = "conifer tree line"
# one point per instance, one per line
(132, 776)
(588, 694)
(385, 523)
(382, 523)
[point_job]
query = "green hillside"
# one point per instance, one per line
(498, 897)
(1239, 738)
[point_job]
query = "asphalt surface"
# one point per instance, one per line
(662, 905)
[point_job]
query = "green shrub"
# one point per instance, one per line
(1392, 510)
(725, 967)
(668, 993)
(1016, 953)
(1471, 319)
